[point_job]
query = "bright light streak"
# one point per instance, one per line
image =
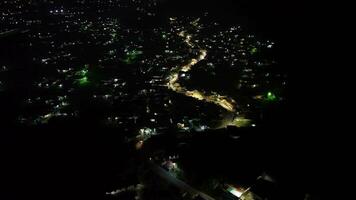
(235, 192)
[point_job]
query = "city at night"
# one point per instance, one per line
(149, 100)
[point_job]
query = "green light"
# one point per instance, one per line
(83, 81)
(271, 96)
(82, 75)
(134, 53)
(82, 72)
(254, 50)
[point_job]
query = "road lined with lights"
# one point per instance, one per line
(225, 102)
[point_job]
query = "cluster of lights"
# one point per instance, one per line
(181, 46)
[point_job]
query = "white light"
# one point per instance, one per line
(236, 193)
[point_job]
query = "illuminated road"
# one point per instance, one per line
(176, 182)
(173, 83)
(225, 102)
(231, 120)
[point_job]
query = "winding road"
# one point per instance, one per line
(225, 102)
